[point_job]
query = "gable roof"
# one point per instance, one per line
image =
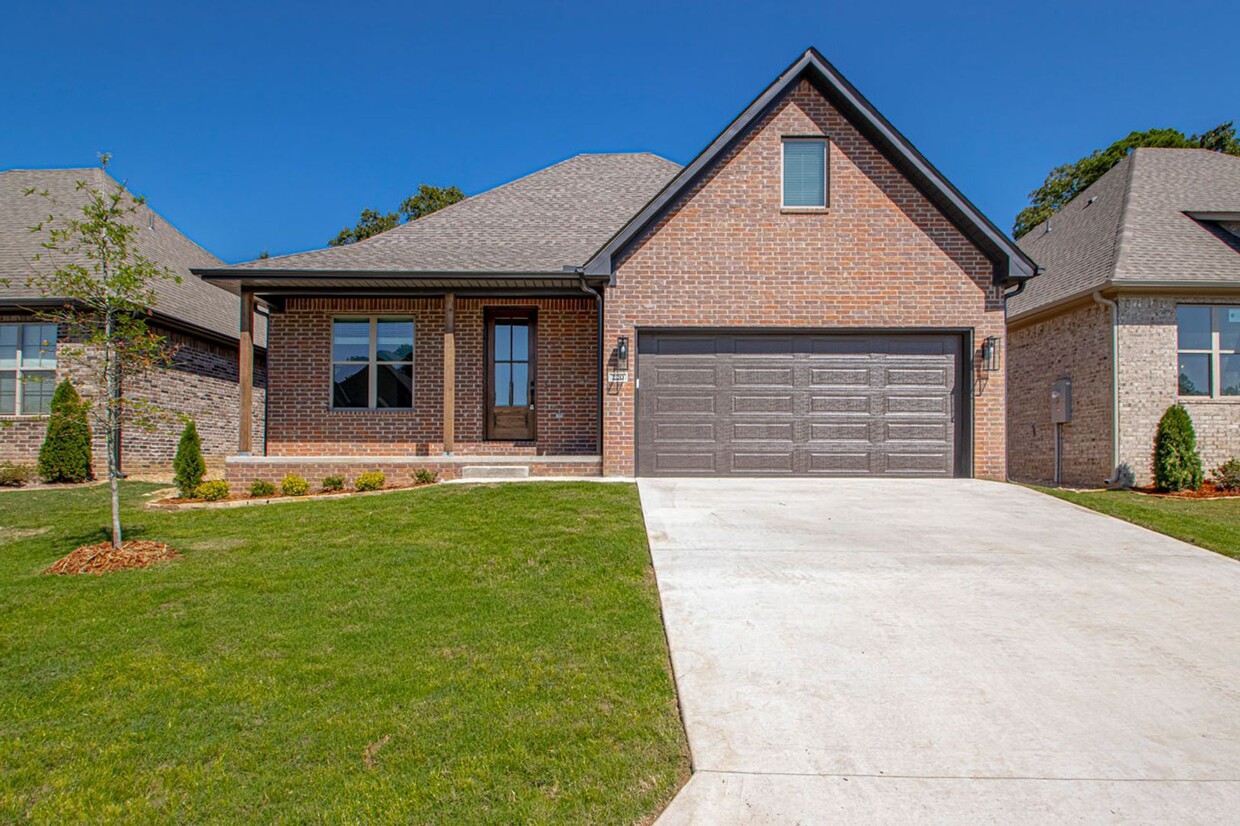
(192, 303)
(1158, 217)
(541, 223)
(1011, 264)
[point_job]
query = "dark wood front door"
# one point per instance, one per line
(511, 379)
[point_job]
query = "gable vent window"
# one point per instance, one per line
(805, 173)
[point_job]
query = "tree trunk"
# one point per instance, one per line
(111, 370)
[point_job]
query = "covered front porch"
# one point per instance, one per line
(464, 376)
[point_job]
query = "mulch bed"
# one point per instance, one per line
(103, 558)
(1208, 490)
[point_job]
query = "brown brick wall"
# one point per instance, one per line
(883, 256)
(1076, 345)
(200, 382)
(302, 422)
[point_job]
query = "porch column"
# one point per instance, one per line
(245, 374)
(449, 372)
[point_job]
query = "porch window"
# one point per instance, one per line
(1209, 350)
(27, 368)
(372, 363)
(805, 173)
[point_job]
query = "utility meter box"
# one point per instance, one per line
(1061, 401)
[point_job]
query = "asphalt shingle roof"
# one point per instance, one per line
(542, 222)
(193, 301)
(1135, 224)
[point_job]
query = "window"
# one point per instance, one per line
(372, 363)
(27, 368)
(805, 173)
(1209, 350)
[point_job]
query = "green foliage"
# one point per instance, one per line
(425, 476)
(428, 199)
(14, 476)
(1177, 466)
(1065, 182)
(65, 454)
(1227, 475)
(374, 480)
(189, 466)
(261, 488)
(213, 490)
(333, 483)
(294, 485)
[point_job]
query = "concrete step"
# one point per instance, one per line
(495, 472)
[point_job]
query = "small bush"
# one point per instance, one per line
(1227, 475)
(213, 490)
(294, 485)
(65, 454)
(14, 476)
(371, 481)
(189, 466)
(333, 483)
(1177, 466)
(425, 476)
(262, 488)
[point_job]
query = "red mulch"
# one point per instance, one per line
(1208, 490)
(102, 558)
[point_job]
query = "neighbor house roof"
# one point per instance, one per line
(192, 303)
(541, 223)
(1157, 218)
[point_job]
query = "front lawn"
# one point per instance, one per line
(1210, 523)
(452, 655)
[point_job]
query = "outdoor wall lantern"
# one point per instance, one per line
(990, 354)
(622, 353)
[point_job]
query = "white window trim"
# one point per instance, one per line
(19, 369)
(372, 364)
(826, 172)
(1215, 353)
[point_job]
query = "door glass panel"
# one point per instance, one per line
(1194, 374)
(1194, 327)
(503, 341)
(394, 385)
(351, 385)
(1228, 326)
(350, 340)
(503, 384)
(520, 384)
(1229, 375)
(520, 342)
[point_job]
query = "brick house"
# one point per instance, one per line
(808, 296)
(198, 321)
(1138, 309)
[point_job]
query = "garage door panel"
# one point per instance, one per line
(687, 376)
(762, 462)
(751, 376)
(856, 463)
(673, 462)
(671, 432)
(764, 432)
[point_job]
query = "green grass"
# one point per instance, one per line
(1210, 523)
(502, 643)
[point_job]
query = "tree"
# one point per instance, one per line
(189, 466)
(1065, 182)
(1177, 465)
(65, 454)
(108, 289)
(428, 199)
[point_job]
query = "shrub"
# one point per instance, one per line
(213, 490)
(261, 488)
(1176, 463)
(14, 476)
(294, 485)
(425, 476)
(65, 455)
(371, 481)
(1227, 475)
(189, 466)
(333, 483)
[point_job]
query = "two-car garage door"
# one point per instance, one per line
(724, 404)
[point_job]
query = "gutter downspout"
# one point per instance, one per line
(598, 391)
(1106, 302)
(266, 317)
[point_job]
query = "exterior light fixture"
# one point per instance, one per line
(622, 353)
(990, 354)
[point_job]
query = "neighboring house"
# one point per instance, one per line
(809, 296)
(1139, 308)
(200, 322)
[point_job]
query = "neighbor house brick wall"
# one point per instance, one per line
(725, 255)
(200, 382)
(1075, 344)
(1148, 381)
(302, 423)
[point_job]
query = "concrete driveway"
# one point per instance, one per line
(908, 651)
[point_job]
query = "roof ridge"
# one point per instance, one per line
(1117, 248)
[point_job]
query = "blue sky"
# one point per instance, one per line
(257, 126)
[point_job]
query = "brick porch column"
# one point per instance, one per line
(245, 374)
(449, 372)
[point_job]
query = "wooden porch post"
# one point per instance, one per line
(245, 374)
(449, 372)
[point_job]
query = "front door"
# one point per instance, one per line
(510, 374)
